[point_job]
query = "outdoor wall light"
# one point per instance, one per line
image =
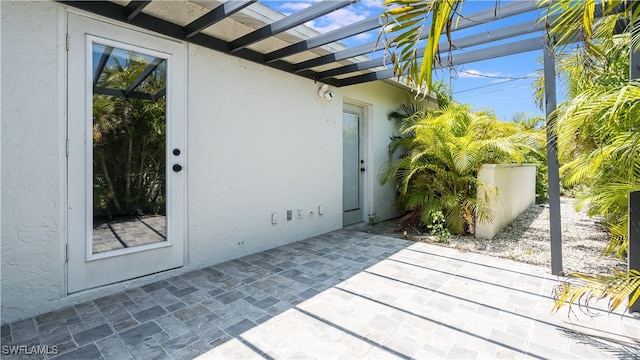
(324, 92)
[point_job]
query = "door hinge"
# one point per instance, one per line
(66, 254)
(67, 41)
(66, 150)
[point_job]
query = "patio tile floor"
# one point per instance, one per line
(345, 294)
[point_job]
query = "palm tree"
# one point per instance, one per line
(597, 128)
(443, 151)
(129, 140)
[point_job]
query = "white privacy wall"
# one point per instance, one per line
(516, 186)
(260, 142)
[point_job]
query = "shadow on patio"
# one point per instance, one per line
(346, 294)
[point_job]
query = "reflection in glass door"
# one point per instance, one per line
(352, 165)
(129, 148)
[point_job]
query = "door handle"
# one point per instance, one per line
(177, 167)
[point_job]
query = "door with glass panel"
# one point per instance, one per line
(352, 165)
(126, 154)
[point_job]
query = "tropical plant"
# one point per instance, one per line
(582, 289)
(441, 152)
(538, 158)
(597, 133)
(597, 129)
(128, 141)
(438, 228)
(405, 21)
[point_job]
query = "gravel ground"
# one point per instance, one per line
(527, 240)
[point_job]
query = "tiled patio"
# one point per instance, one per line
(343, 295)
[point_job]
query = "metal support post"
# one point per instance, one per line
(634, 239)
(634, 197)
(552, 160)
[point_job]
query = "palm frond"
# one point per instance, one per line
(583, 289)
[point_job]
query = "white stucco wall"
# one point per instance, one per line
(378, 131)
(260, 141)
(32, 159)
(516, 186)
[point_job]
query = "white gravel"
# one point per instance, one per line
(527, 240)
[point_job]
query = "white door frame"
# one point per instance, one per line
(86, 270)
(361, 109)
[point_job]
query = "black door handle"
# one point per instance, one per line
(177, 167)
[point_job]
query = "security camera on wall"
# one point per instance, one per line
(324, 92)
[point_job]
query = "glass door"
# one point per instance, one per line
(352, 165)
(126, 158)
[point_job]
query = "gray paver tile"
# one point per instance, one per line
(68, 314)
(175, 306)
(180, 342)
(111, 299)
(112, 348)
(155, 286)
(23, 330)
(140, 332)
(190, 312)
(53, 331)
(93, 334)
(230, 296)
(151, 313)
(185, 291)
(87, 352)
(192, 351)
(345, 294)
(266, 303)
(115, 313)
(126, 324)
(239, 327)
(148, 348)
(171, 325)
(215, 292)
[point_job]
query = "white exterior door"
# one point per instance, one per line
(126, 154)
(352, 165)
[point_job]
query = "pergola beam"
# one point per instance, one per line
(458, 44)
(134, 8)
(329, 37)
(151, 23)
(312, 12)
(219, 13)
(457, 59)
(477, 18)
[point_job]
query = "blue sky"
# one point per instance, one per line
(504, 85)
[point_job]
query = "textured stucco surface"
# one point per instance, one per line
(260, 141)
(516, 186)
(31, 166)
(381, 99)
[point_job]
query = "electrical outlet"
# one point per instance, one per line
(274, 218)
(299, 213)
